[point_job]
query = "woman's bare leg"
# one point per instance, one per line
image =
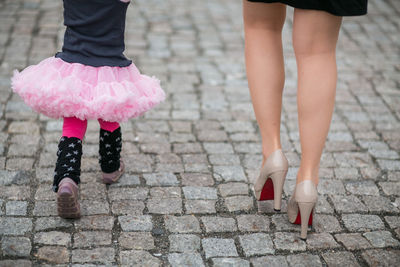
(315, 35)
(263, 25)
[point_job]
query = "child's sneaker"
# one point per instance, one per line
(109, 178)
(67, 199)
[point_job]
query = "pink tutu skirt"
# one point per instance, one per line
(60, 89)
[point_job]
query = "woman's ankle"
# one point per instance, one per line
(307, 174)
(266, 152)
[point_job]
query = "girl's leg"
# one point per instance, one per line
(108, 126)
(70, 151)
(263, 25)
(315, 34)
(68, 167)
(110, 149)
(74, 127)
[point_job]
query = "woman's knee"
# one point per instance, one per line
(261, 16)
(315, 32)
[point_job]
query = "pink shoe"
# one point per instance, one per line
(67, 199)
(109, 178)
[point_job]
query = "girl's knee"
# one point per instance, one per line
(74, 127)
(108, 126)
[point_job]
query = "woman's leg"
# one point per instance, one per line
(263, 25)
(315, 34)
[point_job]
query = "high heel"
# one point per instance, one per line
(269, 184)
(301, 205)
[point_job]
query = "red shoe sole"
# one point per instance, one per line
(298, 219)
(267, 192)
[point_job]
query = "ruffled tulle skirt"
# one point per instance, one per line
(60, 89)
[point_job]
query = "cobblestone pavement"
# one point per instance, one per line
(186, 199)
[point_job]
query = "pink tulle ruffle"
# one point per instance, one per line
(60, 89)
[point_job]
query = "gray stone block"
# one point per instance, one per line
(219, 247)
(136, 223)
(185, 259)
(16, 246)
(138, 258)
(184, 242)
(219, 224)
(256, 244)
(182, 224)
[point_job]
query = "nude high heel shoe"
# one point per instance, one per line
(269, 184)
(301, 205)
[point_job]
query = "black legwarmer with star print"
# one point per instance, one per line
(110, 150)
(69, 160)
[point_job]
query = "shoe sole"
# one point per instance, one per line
(68, 206)
(267, 192)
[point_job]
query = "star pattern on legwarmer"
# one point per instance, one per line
(68, 159)
(110, 147)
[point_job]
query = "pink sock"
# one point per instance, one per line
(74, 127)
(108, 126)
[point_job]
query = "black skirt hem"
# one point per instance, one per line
(337, 8)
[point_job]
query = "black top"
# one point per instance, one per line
(335, 7)
(95, 33)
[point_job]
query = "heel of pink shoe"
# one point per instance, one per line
(278, 179)
(305, 213)
(110, 178)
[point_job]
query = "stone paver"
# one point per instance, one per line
(186, 198)
(184, 242)
(185, 259)
(217, 247)
(256, 244)
(340, 259)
